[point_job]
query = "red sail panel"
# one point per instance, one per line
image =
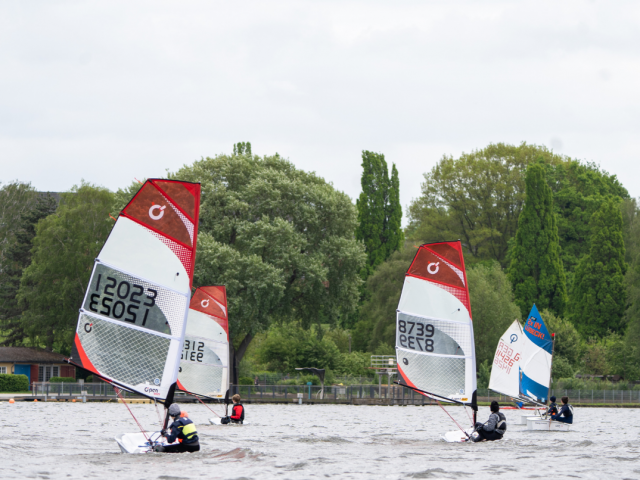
(170, 210)
(442, 264)
(209, 300)
(180, 195)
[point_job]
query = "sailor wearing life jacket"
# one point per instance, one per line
(182, 429)
(494, 428)
(237, 412)
(566, 412)
(553, 407)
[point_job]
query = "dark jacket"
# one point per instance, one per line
(184, 430)
(567, 412)
(497, 422)
(553, 409)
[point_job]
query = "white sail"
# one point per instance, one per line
(434, 332)
(535, 365)
(505, 372)
(132, 322)
(204, 364)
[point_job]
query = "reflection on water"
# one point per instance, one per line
(74, 440)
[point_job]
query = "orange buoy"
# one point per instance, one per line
(11, 400)
(35, 399)
(74, 400)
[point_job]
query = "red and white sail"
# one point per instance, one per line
(434, 332)
(204, 364)
(132, 321)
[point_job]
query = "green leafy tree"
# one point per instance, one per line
(64, 248)
(279, 238)
(536, 271)
(598, 297)
(16, 198)
(631, 222)
(377, 316)
(578, 190)
(476, 198)
(492, 307)
(568, 342)
(242, 148)
(379, 210)
(17, 256)
(291, 346)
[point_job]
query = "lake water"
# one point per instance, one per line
(74, 440)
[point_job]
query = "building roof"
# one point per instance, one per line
(29, 355)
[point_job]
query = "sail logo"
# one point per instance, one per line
(156, 216)
(436, 267)
(514, 337)
(151, 390)
(87, 327)
(204, 303)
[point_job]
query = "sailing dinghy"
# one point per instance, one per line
(535, 369)
(505, 373)
(434, 332)
(204, 364)
(132, 322)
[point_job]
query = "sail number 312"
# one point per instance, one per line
(416, 336)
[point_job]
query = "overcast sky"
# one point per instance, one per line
(107, 91)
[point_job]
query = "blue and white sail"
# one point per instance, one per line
(535, 363)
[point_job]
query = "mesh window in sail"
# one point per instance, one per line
(443, 376)
(124, 354)
(202, 379)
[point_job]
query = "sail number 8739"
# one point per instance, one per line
(416, 335)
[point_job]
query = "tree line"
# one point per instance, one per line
(314, 278)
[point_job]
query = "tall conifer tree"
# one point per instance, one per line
(17, 258)
(598, 297)
(536, 271)
(379, 210)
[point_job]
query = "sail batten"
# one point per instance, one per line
(132, 321)
(434, 332)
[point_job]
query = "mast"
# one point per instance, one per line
(553, 346)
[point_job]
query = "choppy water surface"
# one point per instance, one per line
(64, 440)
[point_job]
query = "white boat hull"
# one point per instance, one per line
(137, 442)
(457, 436)
(216, 421)
(548, 426)
(525, 418)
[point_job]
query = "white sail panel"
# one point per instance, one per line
(505, 377)
(204, 364)
(132, 321)
(434, 332)
(134, 248)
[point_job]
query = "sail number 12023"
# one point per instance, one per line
(116, 294)
(416, 335)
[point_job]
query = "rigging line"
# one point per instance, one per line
(204, 403)
(158, 412)
(454, 420)
(467, 412)
(117, 390)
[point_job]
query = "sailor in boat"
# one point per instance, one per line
(182, 429)
(566, 412)
(553, 407)
(237, 412)
(494, 428)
